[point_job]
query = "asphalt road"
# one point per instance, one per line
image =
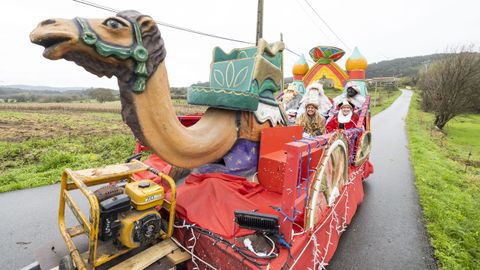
(29, 221)
(386, 233)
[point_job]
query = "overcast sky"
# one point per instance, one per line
(381, 29)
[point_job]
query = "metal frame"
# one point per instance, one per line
(83, 179)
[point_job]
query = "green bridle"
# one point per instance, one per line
(137, 51)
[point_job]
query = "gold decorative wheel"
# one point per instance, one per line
(331, 175)
(364, 148)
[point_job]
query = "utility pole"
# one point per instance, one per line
(259, 21)
(281, 67)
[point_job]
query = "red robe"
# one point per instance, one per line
(333, 124)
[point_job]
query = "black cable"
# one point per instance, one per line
(88, 3)
(245, 253)
(286, 265)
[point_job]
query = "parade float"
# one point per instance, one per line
(253, 193)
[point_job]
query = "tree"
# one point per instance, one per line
(101, 94)
(451, 85)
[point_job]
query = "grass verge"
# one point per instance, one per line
(449, 190)
(382, 100)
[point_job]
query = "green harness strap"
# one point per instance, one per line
(137, 51)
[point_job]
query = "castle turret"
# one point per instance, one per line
(300, 68)
(356, 65)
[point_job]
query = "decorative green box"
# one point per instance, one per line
(239, 79)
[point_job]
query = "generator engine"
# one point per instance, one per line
(128, 215)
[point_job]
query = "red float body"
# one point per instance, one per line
(209, 202)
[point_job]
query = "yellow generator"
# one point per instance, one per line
(124, 214)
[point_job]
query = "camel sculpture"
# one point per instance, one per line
(130, 47)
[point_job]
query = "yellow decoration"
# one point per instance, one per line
(356, 61)
(356, 64)
(300, 69)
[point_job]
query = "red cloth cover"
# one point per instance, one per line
(209, 201)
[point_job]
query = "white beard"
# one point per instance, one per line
(287, 97)
(344, 118)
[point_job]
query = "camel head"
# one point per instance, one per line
(128, 46)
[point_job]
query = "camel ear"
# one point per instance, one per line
(146, 24)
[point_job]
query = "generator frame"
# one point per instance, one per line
(82, 179)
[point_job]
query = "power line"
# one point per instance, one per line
(310, 17)
(326, 24)
(167, 24)
(96, 5)
(292, 52)
(88, 3)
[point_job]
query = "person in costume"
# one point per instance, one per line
(291, 98)
(312, 121)
(346, 118)
(352, 94)
(315, 92)
(290, 102)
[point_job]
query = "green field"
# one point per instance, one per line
(447, 175)
(39, 140)
(35, 147)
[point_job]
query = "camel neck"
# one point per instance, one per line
(206, 141)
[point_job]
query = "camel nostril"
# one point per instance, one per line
(47, 22)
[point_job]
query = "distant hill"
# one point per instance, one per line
(401, 67)
(27, 93)
(42, 88)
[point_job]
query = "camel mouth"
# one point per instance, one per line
(52, 41)
(51, 44)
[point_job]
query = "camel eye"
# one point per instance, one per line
(114, 23)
